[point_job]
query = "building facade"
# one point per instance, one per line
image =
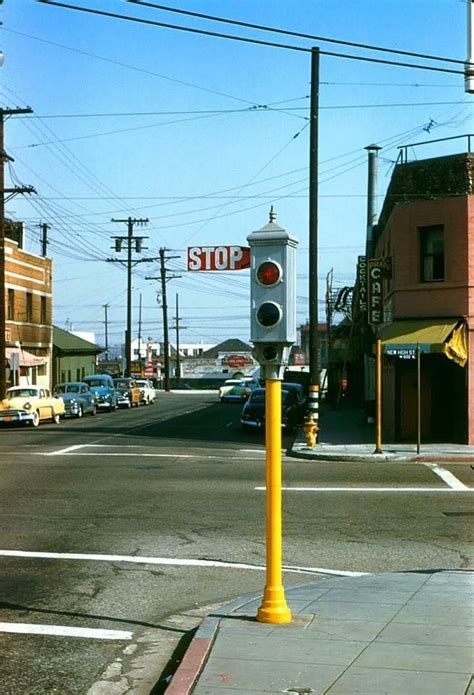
(28, 290)
(426, 228)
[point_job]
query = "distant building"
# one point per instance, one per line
(28, 330)
(73, 357)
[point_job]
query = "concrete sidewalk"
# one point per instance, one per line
(345, 436)
(409, 633)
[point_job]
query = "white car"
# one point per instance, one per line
(30, 404)
(148, 393)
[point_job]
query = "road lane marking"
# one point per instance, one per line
(372, 489)
(447, 477)
(65, 631)
(180, 562)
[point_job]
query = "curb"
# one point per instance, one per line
(312, 455)
(194, 660)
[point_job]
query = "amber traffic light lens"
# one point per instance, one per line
(268, 273)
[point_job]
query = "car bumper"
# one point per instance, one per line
(10, 417)
(71, 410)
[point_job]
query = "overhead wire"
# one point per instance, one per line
(260, 42)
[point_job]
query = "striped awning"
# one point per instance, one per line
(26, 358)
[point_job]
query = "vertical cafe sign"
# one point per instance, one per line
(379, 269)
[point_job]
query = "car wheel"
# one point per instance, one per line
(36, 419)
(94, 409)
(80, 412)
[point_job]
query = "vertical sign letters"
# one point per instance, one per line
(378, 270)
(362, 282)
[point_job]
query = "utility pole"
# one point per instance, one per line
(44, 238)
(177, 327)
(140, 333)
(164, 305)
(469, 64)
(128, 240)
(313, 242)
(4, 114)
(105, 307)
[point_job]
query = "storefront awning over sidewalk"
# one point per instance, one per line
(447, 336)
(26, 358)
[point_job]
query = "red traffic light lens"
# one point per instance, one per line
(268, 273)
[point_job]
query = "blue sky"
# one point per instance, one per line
(210, 178)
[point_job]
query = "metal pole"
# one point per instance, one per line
(165, 319)
(128, 340)
(274, 608)
(105, 307)
(469, 64)
(44, 239)
(378, 397)
(178, 364)
(140, 334)
(313, 241)
(418, 398)
(371, 198)
(3, 362)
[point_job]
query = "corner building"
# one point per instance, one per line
(28, 290)
(427, 228)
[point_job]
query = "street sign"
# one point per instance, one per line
(379, 269)
(362, 281)
(205, 258)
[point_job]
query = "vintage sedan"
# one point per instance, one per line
(253, 413)
(147, 391)
(78, 398)
(29, 405)
(236, 390)
(127, 392)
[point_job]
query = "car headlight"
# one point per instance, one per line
(27, 406)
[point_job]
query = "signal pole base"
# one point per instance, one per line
(274, 608)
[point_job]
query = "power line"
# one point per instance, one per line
(243, 39)
(297, 34)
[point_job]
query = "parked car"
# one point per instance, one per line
(102, 386)
(77, 397)
(301, 400)
(147, 391)
(253, 413)
(128, 393)
(235, 390)
(29, 405)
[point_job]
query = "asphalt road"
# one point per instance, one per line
(128, 524)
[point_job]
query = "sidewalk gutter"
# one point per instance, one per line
(194, 660)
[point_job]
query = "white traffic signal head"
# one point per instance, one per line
(272, 285)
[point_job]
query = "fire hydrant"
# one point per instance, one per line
(310, 430)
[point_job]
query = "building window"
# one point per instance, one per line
(29, 307)
(432, 253)
(11, 305)
(43, 310)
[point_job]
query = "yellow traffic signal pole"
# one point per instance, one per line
(274, 608)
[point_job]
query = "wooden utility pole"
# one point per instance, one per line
(164, 305)
(129, 239)
(105, 307)
(313, 242)
(5, 113)
(44, 238)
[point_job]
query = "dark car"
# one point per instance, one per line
(127, 392)
(301, 399)
(78, 398)
(253, 413)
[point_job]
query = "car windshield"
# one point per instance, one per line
(96, 382)
(258, 396)
(122, 383)
(142, 383)
(66, 388)
(21, 393)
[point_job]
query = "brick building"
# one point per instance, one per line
(427, 228)
(28, 290)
